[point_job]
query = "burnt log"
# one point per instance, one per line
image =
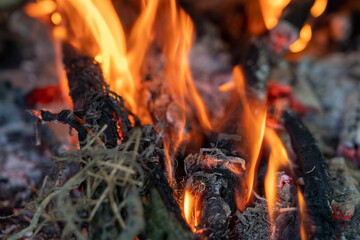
(218, 204)
(92, 99)
(97, 106)
(212, 180)
(313, 169)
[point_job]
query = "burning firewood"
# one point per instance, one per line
(211, 180)
(95, 107)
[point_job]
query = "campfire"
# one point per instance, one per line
(186, 122)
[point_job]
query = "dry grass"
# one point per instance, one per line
(65, 205)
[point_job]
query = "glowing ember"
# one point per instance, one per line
(278, 158)
(318, 8)
(304, 38)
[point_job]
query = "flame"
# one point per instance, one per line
(304, 38)
(318, 8)
(227, 86)
(56, 18)
(96, 24)
(141, 35)
(40, 8)
(271, 11)
(278, 158)
(189, 209)
(168, 165)
(177, 45)
(254, 119)
(302, 206)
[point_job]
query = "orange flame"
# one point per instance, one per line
(278, 158)
(302, 206)
(271, 11)
(168, 165)
(96, 24)
(141, 36)
(40, 8)
(189, 209)
(178, 42)
(304, 38)
(318, 8)
(254, 117)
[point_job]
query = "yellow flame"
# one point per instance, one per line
(304, 38)
(278, 158)
(318, 8)
(189, 209)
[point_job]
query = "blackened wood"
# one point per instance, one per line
(317, 187)
(92, 99)
(219, 204)
(65, 117)
(296, 12)
(97, 106)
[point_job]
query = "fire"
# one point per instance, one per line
(168, 165)
(141, 36)
(177, 45)
(271, 11)
(40, 8)
(302, 207)
(304, 38)
(56, 18)
(94, 28)
(189, 209)
(278, 158)
(254, 118)
(318, 8)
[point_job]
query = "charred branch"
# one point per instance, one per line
(317, 188)
(92, 99)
